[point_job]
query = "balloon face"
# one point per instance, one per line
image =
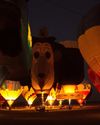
(95, 79)
(89, 44)
(42, 71)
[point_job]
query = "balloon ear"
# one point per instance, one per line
(69, 65)
(58, 65)
(57, 49)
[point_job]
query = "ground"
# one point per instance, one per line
(87, 115)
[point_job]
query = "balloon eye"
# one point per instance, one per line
(36, 55)
(48, 55)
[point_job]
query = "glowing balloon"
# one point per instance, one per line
(51, 97)
(10, 91)
(89, 44)
(29, 95)
(76, 92)
(84, 89)
(68, 92)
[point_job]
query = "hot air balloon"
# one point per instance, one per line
(67, 92)
(51, 97)
(83, 89)
(89, 38)
(74, 92)
(10, 91)
(29, 95)
(15, 51)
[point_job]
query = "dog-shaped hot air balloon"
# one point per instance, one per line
(54, 63)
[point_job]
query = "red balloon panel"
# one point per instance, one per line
(95, 79)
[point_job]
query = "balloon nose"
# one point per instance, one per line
(41, 75)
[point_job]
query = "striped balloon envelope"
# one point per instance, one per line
(89, 44)
(29, 95)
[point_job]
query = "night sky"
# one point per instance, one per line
(62, 17)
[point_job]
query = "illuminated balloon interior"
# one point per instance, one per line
(74, 92)
(10, 91)
(84, 89)
(29, 95)
(51, 97)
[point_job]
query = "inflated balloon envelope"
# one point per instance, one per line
(68, 92)
(53, 62)
(15, 53)
(84, 89)
(51, 97)
(10, 90)
(89, 38)
(89, 44)
(29, 95)
(74, 92)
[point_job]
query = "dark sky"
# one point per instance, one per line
(62, 17)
